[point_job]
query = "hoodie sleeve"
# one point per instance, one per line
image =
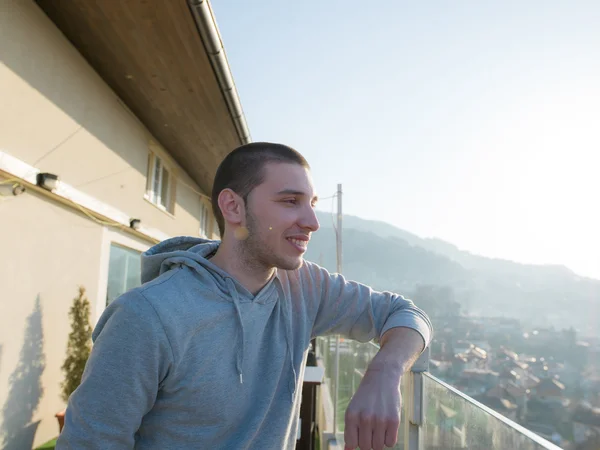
(130, 357)
(355, 311)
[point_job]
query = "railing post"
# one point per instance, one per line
(336, 374)
(414, 407)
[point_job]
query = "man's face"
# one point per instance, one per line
(280, 217)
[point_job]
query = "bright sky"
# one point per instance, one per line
(476, 122)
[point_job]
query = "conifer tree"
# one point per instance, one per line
(80, 344)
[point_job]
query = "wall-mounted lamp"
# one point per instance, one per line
(18, 189)
(48, 181)
(135, 224)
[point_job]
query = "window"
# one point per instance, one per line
(216, 229)
(204, 219)
(160, 188)
(124, 271)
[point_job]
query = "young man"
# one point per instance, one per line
(210, 351)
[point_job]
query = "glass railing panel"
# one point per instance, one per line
(354, 361)
(326, 351)
(452, 420)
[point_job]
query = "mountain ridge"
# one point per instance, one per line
(385, 229)
(389, 258)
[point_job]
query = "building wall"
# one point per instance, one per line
(47, 251)
(57, 115)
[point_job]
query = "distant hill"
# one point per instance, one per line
(388, 258)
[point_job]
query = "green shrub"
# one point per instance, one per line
(80, 344)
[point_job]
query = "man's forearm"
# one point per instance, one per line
(400, 348)
(373, 415)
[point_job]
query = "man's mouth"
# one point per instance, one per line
(300, 244)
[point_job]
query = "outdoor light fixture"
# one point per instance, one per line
(135, 224)
(48, 181)
(18, 189)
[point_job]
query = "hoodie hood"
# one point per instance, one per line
(190, 251)
(195, 253)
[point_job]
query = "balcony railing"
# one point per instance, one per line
(435, 415)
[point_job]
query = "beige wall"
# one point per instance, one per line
(47, 250)
(58, 115)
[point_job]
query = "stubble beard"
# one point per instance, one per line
(257, 254)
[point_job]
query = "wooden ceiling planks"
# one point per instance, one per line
(151, 54)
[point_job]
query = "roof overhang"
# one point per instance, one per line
(166, 62)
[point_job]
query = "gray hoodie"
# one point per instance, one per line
(191, 359)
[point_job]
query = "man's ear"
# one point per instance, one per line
(232, 207)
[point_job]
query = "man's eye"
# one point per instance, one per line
(291, 201)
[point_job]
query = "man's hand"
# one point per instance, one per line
(373, 415)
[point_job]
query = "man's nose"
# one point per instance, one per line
(309, 220)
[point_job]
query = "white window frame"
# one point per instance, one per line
(154, 185)
(112, 236)
(124, 288)
(215, 230)
(204, 219)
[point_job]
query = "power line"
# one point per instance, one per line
(57, 146)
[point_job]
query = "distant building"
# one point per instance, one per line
(586, 423)
(459, 364)
(499, 404)
(477, 381)
(505, 354)
(507, 376)
(550, 390)
(476, 358)
(529, 381)
(462, 347)
(440, 368)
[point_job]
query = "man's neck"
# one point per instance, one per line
(249, 275)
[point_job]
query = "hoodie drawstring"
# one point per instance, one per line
(239, 361)
(285, 307)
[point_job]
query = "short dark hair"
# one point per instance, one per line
(242, 170)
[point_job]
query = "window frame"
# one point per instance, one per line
(155, 184)
(129, 251)
(204, 221)
(215, 229)
(112, 236)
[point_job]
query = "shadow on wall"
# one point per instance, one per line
(25, 387)
(39, 73)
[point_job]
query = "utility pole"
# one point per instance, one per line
(336, 370)
(338, 234)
